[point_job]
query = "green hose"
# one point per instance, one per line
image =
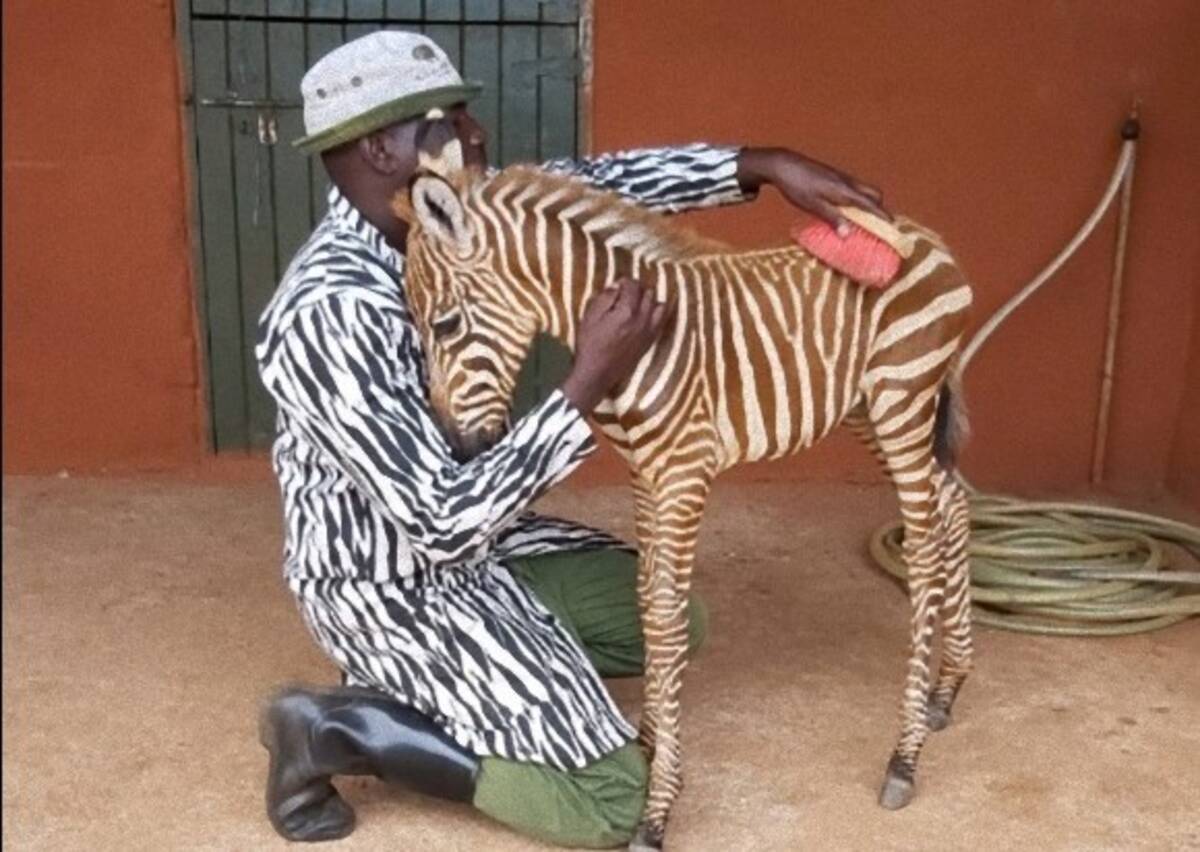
(1070, 569)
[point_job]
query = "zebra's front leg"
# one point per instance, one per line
(645, 523)
(663, 588)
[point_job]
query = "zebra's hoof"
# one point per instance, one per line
(646, 839)
(896, 792)
(937, 717)
(898, 788)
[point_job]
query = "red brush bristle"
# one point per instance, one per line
(861, 255)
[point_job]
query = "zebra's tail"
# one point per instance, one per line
(950, 425)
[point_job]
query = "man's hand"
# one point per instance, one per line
(619, 324)
(814, 187)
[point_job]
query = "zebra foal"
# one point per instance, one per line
(766, 353)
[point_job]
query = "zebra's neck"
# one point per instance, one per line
(561, 242)
(577, 270)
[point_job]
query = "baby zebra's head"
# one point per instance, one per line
(475, 326)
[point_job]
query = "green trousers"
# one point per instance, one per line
(594, 595)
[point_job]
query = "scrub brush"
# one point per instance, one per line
(871, 254)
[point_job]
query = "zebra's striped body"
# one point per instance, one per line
(775, 349)
(767, 352)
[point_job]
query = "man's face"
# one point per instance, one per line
(394, 151)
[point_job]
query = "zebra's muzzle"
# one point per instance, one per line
(465, 447)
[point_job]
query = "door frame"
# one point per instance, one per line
(191, 180)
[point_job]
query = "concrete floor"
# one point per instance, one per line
(144, 620)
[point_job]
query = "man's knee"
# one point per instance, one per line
(596, 807)
(621, 800)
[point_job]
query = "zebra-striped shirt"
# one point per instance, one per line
(395, 552)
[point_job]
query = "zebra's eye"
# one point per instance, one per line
(447, 325)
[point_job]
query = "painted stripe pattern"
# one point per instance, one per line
(395, 552)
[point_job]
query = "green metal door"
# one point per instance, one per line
(258, 198)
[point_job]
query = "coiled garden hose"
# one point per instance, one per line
(1072, 569)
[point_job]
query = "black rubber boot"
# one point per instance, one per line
(314, 734)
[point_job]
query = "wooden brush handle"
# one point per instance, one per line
(904, 244)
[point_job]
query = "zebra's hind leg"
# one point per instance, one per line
(953, 621)
(956, 661)
(904, 434)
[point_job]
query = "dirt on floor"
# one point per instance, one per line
(144, 620)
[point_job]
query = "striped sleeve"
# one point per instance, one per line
(531, 534)
(669, 180)
(331, 370)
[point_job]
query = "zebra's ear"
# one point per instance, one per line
(402, 207)
(438, 147)
(438, 207)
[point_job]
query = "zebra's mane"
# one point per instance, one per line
(654, 234)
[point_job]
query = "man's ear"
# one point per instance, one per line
(438, 207)
(379, 150)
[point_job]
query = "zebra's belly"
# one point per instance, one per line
(755, 413)
(774, 434)
(786, 404)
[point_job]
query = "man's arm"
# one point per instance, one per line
(808, 185)
(531, 534)
(333, 370)
(669, 180)
(691, 177)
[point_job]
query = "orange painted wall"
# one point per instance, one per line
(994, 123)
(100, 366)
(1183, 478)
